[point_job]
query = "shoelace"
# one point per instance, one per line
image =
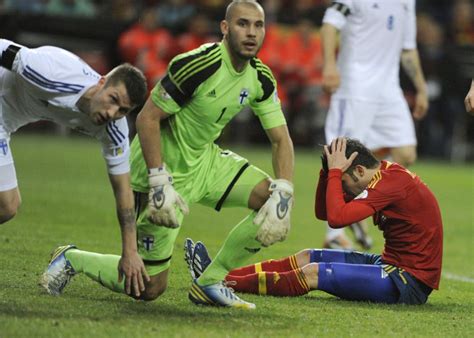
(231, 290)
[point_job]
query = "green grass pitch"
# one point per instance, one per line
(67, 199)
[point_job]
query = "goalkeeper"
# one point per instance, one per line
(402, 207)
(175, 162)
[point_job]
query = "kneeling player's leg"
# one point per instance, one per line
(102, 268)
(359, 282)
(250, 189)
(9, 194)
(10, 201)
(155, 246)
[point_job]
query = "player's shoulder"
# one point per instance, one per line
(49, 64)
(196, 59)
(265, 76)
(262, 68)
(391, 174)
(117, 131)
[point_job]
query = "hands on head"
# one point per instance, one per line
(335, 154)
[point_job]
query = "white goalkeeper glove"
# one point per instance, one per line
(274, 216)
(163, 199)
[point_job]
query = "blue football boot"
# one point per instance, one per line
(59, 271)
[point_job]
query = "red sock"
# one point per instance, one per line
(279, 265)
(290, 283)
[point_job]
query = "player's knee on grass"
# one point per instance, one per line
(155, 287)
(9, 204)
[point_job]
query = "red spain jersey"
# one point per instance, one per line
(402, 206)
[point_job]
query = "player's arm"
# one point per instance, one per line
(131, 265)
(340, 213)
(320, 198)
(469, 100)
(334, 19)
(411, 64)
(148, 129)
(162, 198)
(331, 77)
(8, 53)
(274, 216)
(283, 157)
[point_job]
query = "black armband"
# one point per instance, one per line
(8, 56)
(341, 8)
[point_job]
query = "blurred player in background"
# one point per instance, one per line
(402, 207)
(469, 100)
(185, 113)
(367, 102)
(49, 83)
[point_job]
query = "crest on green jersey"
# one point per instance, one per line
(244, 94)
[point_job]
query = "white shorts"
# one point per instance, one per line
(376, 125)
(8, 179)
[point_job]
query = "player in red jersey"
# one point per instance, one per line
(354, 185)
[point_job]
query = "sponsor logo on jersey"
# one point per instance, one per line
(117, 151)
(3, 146)
(212, 93)
(148, 242)
(244, 94)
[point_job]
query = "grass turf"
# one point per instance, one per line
(67, 199)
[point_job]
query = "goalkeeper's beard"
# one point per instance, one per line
(236, 47)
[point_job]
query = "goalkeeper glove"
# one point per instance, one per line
(163, 199)
(274, 216)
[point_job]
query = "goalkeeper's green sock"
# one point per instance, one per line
(239, 246)
(101, 268)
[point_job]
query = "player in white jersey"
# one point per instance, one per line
(49, 83)
(367, 102)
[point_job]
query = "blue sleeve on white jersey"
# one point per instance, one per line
(116, 147)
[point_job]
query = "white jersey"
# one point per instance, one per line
(373, 34)
(45, 84)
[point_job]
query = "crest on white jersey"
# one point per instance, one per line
(3, 146)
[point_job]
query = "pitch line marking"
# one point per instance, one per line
(452, 276)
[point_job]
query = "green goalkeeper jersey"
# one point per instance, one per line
(202, 92)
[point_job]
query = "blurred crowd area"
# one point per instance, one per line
(148, 33)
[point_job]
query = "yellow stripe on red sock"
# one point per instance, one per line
(302, 279)
(262, 283)
(293, 263)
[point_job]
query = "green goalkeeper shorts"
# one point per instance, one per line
(222, 180)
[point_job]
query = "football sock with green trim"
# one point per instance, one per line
(239, 246)
(101, 268)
